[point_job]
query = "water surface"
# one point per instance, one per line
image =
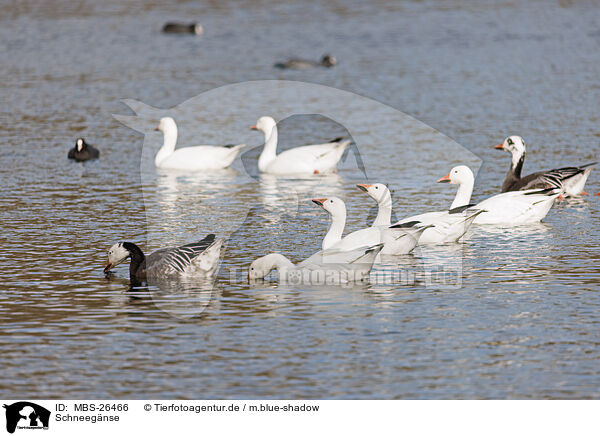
(525, 321)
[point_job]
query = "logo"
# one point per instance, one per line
(26, 415)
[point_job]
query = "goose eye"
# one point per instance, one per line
(376, 187)
(510, 141)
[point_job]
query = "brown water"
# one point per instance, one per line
(525, 321)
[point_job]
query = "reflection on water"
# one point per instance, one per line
(281, 196)
(182, 299)
(523, 323)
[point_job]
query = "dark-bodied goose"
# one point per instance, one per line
(83, 151)
(570, 179)
(198, 259)
(326, 61)
(192, 28)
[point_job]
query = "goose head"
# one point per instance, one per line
(116, 254)
(328, 60)
(513, 144)
(265, 125)
(460, 175)
(334, 205)
(260, 268)
(80, 144)
(377, 191)
(166, 125)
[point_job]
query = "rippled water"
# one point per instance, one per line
(525, 320)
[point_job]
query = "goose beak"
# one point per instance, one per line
(363, 187)
(445, 179)
(319, 201)
(253, 127)
(107, 267)
(499, 147)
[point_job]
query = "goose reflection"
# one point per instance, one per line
(280, 196)
(280, 292)
(179, 298)
(187, 202)
(395, 270)
(183, 299)
(504, 233)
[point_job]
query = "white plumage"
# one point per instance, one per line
(509, 208)
(307, 159)
(396, 241)
(445, 226)
(200, 157)
(327, 267)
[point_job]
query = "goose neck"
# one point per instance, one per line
(336, 229)
(384, 211)
(269, 152)
(463, 195)
(137, 258)
(518, 159)
(276, 261)
(169, 142)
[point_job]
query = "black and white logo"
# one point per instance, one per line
(26, 415)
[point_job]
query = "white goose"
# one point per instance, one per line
(308, 159)
(509, 208)
(401, 240)
(324, 267)
(448, 226)
(201, 157)
(571, 179)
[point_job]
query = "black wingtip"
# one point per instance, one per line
(460, 209)
(209, 238)
(338, 139)
(407, 225)
(543, 191)
(374, 248)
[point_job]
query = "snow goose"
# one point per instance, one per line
(327, 61)
(571, 179)
(323, 267)
(198, 259)
(508, 208)
(200, 157)
(83, 151)
(448, 225)
(308, 159)
(401, 240)
(193, 28)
